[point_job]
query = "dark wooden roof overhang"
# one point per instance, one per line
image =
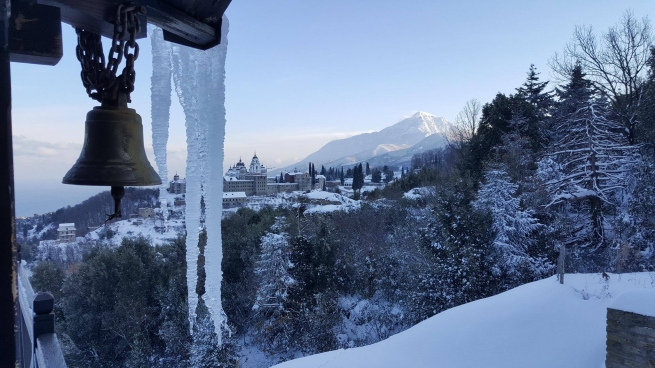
(194, 23)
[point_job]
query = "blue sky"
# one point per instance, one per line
(300, 73)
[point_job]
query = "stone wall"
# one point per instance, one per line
(630, 340)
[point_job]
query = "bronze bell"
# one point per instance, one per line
(113, 153)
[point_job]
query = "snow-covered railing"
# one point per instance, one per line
(40, 346)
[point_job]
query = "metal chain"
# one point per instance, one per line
(100, 80)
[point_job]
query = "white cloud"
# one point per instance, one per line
(24, 146)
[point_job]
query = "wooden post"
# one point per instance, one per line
(8, 251)
(560, 263)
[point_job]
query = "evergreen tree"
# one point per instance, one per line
(281, 177)
(376, 176)
(368, 170)
(341, 177)
(590, 158)
(205, 352)
(460, 239)
(513, 227)
(533, 92)
(388, 174)
(358, 177)
(272, 270)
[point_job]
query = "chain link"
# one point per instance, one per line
(100, 79)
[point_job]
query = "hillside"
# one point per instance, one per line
(90, 212)
(394, 142)
(541, 324)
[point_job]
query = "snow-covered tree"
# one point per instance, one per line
(274, 280)
(511, 224)
(272, 269)
(591, 155)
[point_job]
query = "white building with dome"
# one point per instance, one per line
(253, 181)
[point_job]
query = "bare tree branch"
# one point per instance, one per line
(616, 63)
(466, 123)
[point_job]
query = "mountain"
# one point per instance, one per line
(397, 142)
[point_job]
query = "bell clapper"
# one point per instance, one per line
(117, 193)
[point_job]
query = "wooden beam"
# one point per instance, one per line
(35, 33)
(96, 16)
(9, 342)
(192, 23)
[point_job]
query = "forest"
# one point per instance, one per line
(567, 164)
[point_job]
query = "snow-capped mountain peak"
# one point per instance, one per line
(400, 136)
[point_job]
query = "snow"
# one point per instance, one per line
(541, 324)
(364, 147)
(131, 228)
(234, 195)
(417, 193)
(636, 301)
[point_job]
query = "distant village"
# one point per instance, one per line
(242, 186)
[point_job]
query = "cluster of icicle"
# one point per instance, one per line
(198, 77)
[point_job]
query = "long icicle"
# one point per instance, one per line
(185, 78)
(160, 105)
(213, 109)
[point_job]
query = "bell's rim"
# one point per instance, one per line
(105, 183)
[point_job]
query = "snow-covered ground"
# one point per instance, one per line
(541, 324)
(417, 193)
(139, 227)
(315, 201)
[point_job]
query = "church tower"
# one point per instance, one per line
(255, 166)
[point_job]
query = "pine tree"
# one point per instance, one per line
(273, 284)
(341, 177)
(281, 177)
(205, 352)
(590, 158)
(513, 227)
(368, 170)
(532, 91)
(272, 270)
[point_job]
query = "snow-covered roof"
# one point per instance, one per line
(519, 328)
(320, 176)
(232, 178)
(67, 225)
(640, 301)
(234, 195)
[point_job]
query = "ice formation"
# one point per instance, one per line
(160, 105)
(198, 77)
(212, 113)
(185, 78)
